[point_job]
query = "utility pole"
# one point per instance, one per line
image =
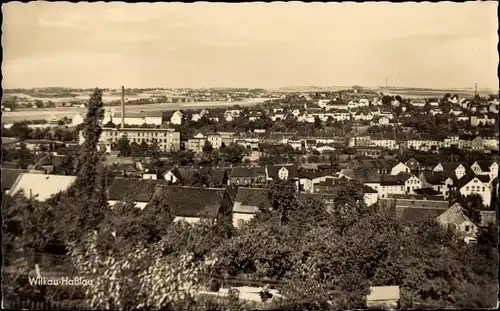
(475, 88)
(385, 82)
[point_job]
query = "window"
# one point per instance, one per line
(467, 188)
(466, 228)
(240, 222)
(483, 188)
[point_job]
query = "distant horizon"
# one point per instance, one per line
(266, 88)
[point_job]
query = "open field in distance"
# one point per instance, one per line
(60, 112)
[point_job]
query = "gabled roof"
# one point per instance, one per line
(416, 214)
(453, 216)
(248, 172)
(367, 189)
(191, 201)
(411, 159)
(313, 175)
(483, 178)
(363, 176)
(218, 174)
(426, 191)
(9, 177)
(272, 171)
(391, 180)
(139, 190)
(435, 178)
(485, 165)
(451, 166)
(183, 173)
(248, 200)
(41, 186)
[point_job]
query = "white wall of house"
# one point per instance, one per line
(385, 190)
(149, 176)
(176, 118)
(283, 173)
(467, 228)
(240, 218)
(400, 167)
(317, 180)
(170, 177)
(412, 184)
(475, 186)
(77, 120)
(153, 120)
(370, 198)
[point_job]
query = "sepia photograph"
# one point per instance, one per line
(250, 156)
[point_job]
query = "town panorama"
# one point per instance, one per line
(125, 187)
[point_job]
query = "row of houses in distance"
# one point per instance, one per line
(425, 142)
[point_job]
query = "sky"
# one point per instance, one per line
(268, 45)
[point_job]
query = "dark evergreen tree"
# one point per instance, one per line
(84, 205)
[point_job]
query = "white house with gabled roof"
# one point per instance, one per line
(400, 167)
(479, 184)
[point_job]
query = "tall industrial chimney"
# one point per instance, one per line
(123, 106)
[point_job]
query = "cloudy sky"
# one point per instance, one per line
(250, 45)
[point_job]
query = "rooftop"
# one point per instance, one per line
(40, 186)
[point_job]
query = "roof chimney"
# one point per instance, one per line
(123, 106)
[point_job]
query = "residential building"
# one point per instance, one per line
(459, 169)
(420, 103)
(455, 218)
(215, 140)
(370, 195)
(403, 183)
(227, 138)
(414, 207)
(135, 190)
(479, 184)
(485, 167)
(368, 177)
(9, 177)
(281, 172)
(308, 179)
(370, 152)
(165, 138)
(135, 118)
(400, 167)
(490, 143)
(179, 175)
(196, 143)
(247, 203)
(177, 117)
(438, 181)
(77, 119)
(414, 165)
(385, 143)
(475, 120)
(190, 204)
(248, 175)
(329, 186)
